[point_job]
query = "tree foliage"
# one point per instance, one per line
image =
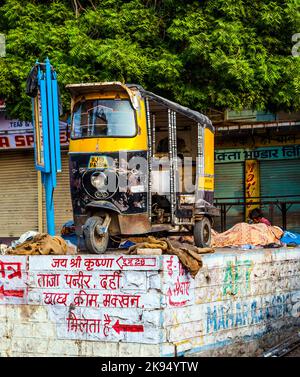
(205, 54)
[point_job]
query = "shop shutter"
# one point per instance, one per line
(229, 183)
(62, 197)
(280, 178)
(18, 193)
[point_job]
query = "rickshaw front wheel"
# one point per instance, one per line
(95, 242)
(202, 232)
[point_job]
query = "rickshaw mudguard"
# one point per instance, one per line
(137, 223)
(207, 210)
(101, 204)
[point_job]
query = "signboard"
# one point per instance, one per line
(267, 153)
(17, 134)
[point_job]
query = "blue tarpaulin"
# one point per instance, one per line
(289, 237)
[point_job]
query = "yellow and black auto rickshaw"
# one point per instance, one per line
(139, 164)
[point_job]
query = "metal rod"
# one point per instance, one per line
(150, 154)
(153, 134)
(175, 168)
(171, 162)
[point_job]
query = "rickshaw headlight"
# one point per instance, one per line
(98, 180)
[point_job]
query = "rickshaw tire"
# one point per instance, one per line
(202, 232)
(89, 231)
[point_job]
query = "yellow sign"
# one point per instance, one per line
(252, 185)
(206, 183)
(98, 162)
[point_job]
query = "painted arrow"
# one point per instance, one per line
(135, 262)
(11, 293)
(118, 327)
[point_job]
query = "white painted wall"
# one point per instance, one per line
(144, 305)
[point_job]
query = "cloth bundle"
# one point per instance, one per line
(41, 244)
(188, 255)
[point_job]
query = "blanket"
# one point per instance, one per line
(247, 234)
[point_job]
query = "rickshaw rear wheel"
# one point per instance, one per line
(94, 241)
(202, 232)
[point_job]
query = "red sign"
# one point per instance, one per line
(26, 140)
(118, 327)
(16, 134)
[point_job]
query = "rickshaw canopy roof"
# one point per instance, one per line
(192, 114)
(88, 88)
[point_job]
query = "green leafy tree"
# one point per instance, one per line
(205, 54)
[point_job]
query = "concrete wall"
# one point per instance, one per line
(147, 305)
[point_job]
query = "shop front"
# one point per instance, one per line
(21, 192)
(258, 170)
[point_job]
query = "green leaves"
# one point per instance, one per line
(204, 54)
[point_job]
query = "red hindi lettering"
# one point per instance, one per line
(106, 327)
(15, 267)
(59, 262)
(78, 280)
(76, 262)
(48, 280)
(111, 281)
(53, 298)
(86, 299)
(170, 265)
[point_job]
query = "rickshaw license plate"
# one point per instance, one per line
(98, 162)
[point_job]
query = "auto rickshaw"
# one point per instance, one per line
(127, 175)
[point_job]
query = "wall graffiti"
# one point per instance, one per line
(237, 277)
(12, 280)
(89, 292)
(247, 313)
(178, 283)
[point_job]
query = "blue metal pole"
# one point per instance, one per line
(47, 136)
(49, 191)
(50, 122)
(50, 178)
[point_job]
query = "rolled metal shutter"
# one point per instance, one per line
(229, 183)
(18, 193)
(279, 178)
(62, 197)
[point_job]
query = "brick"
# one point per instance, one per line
(185, 331)
(106, 349)
(3, 311)
(40, 314)
(154, 280)
(33, 345)
(22, 330)
(138, 350)
(5, 344)
(44, 330)
(62, 347)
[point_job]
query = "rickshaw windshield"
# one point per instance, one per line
(103, 118)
